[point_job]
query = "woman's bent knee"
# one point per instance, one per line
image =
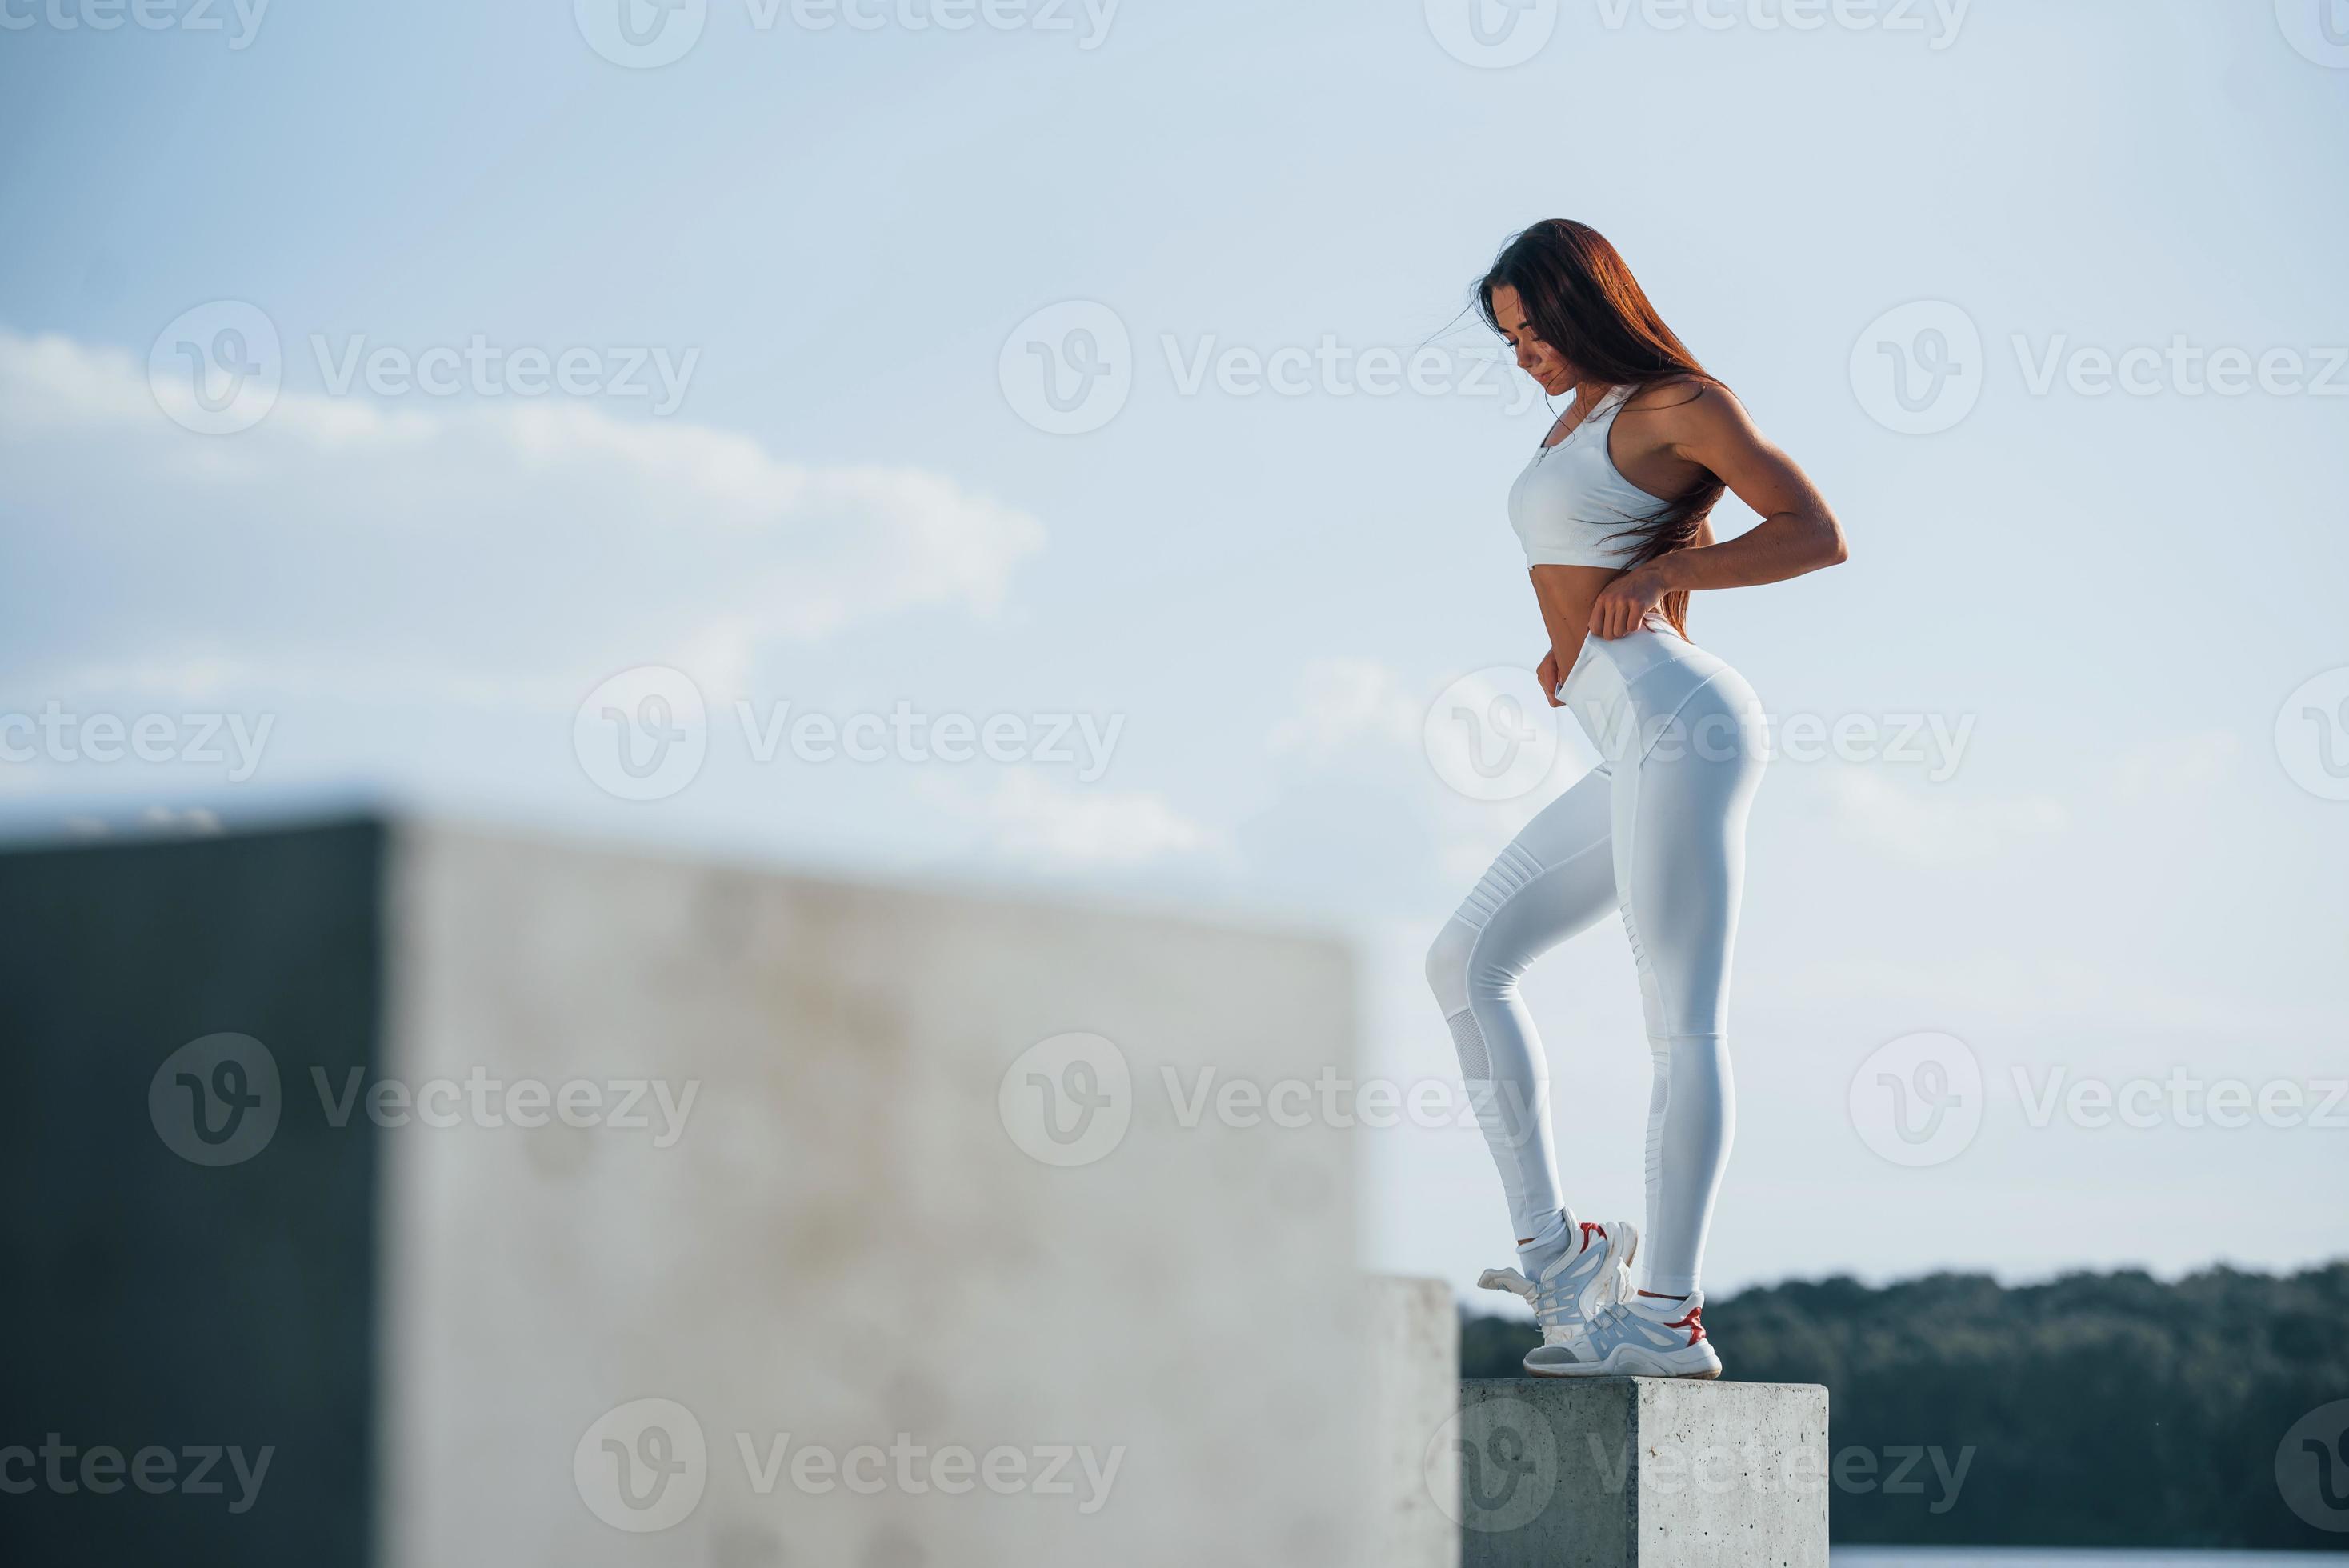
(1447, 964)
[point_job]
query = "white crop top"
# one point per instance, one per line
(1571, 497)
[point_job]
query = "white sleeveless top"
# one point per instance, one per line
(1571, 497)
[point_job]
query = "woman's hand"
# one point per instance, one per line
(1548, 676)
(1624, 603)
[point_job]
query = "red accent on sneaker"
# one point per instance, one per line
(1692, 1323)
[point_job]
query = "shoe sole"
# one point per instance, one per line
(1619, 1365)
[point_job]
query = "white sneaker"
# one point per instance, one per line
(1579, 1284)
(1640, 1337)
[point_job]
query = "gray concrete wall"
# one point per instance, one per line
(190, 1277)
(857, 1234)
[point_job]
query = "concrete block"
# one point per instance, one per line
(1411, 1372)
(1610, 1472)
(843, 1225)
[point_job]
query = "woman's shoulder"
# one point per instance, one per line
(1686, 409)
(1675, 391)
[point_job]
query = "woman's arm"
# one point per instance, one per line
(1797, 534)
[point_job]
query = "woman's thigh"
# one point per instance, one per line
(1678, 815)
(1555, 879)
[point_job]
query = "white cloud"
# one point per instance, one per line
(1033, 817)
(458, 546)
(1343, 700)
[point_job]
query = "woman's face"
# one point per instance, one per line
(1535, 358)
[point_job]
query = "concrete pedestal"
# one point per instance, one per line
(1611, 1472)
(1410, 1375)
(531, 1202)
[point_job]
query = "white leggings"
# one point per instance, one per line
(1656, 830)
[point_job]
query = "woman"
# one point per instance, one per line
(1613, 511)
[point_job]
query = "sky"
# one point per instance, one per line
(1047, 447)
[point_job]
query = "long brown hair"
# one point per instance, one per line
(1584, 301)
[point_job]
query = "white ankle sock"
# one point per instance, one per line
(1560, 1235)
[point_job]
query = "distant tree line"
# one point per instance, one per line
(2095, 1411)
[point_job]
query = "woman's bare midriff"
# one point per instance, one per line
(1566, 594)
